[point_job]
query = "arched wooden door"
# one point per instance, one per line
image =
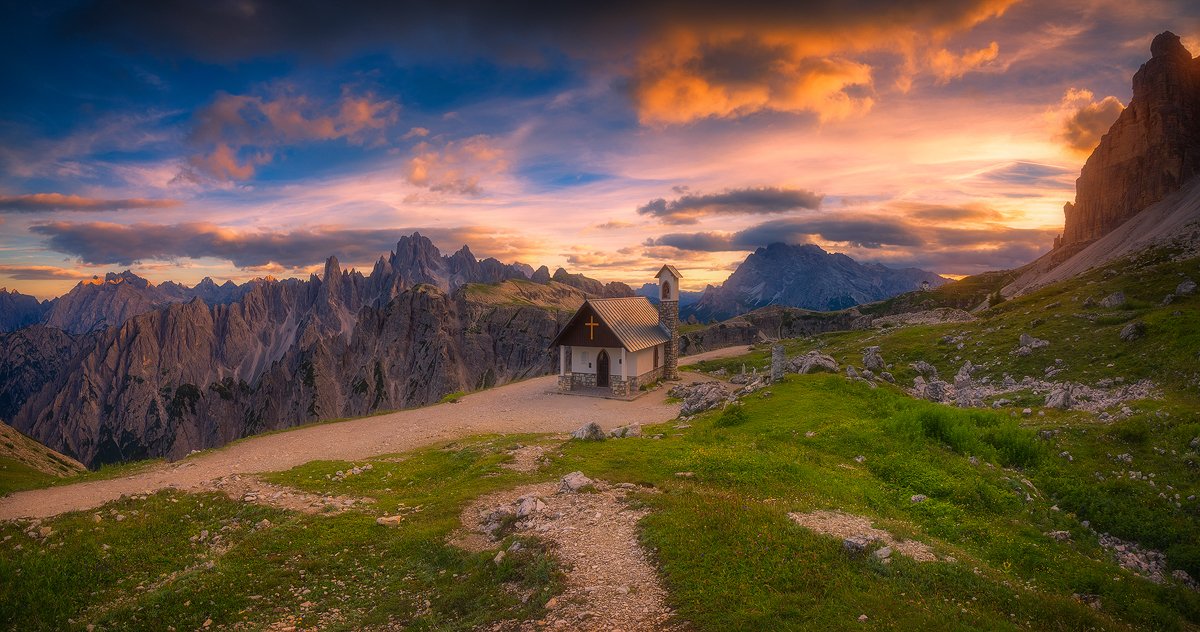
(602, 368)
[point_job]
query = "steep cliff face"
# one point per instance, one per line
(32, 357)
(19, 310)
(806, 277)
(1149, 153)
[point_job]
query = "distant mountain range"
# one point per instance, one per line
(807, 277)
(121, 369)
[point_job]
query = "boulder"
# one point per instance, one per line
(924, 369)
(1186, 288)
(632, 430)
(936, 391)
(700, 396)
(573, 482)
(1133, 331)
(872, 361)
(1116, 299)
(589, 432)
(918, 498)
(1060, 397)
(1033, 343)
(887, 377)
(856, 544)
(528, 505)
(814, 361)
(389, 521)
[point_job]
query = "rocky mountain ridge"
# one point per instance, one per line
(807, 277)
(190, 375)
(19, 310)
(1151, 150)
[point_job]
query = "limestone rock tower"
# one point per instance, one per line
(668, 316)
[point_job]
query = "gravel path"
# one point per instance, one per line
(528, 406)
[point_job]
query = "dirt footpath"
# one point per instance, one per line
(528, 406)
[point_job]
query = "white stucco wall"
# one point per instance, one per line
(582, 356)
(639, 362)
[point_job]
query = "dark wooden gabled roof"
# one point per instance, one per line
(631, 321)
(669, 268)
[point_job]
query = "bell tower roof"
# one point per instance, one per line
(668, 270)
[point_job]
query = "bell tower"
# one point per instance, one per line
(668, 316)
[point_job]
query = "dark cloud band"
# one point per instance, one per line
(689, 208)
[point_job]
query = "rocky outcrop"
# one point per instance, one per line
(1150, 151)
(19, 310)
(592, 286)
(806, 277)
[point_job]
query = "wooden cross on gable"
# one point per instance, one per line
(591, 324)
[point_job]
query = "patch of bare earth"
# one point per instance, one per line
(527, 458)
(254, 490)
(610, 582)
(848, 526)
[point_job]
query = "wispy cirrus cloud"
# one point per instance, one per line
(51, 202)
(689, 208)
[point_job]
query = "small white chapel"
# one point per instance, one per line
(614, 346)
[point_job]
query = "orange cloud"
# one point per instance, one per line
(790, 63)
(457, 166)
(237, 130)
(1083, 121)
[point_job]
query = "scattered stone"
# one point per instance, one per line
(1182, 577)
(887, 377)
(860, 459)
(263, 524)
(1033, 343)
(1148, 563)
(573, 482)
(1059, 536)
(623, 432)
(499, 557)
(1125, 457)
(1027, 411)
(589, 432)
(528, 505)
(918, 498)
(1133, 331)
(851, 372)
(1091, 601)
(1186, 288)
(856, 544)
(389, 521)
(1116, 299)
(872, 361)
(862, 617)
(685, 475)
(882, 553)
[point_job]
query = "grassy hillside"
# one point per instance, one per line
(27, 464)
(995, 481)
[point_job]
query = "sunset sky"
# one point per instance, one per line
(236, 139)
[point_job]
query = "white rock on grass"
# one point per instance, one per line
(573, 482)
(589, 432)
(632, 430)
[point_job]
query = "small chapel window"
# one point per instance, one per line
(666, 289)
